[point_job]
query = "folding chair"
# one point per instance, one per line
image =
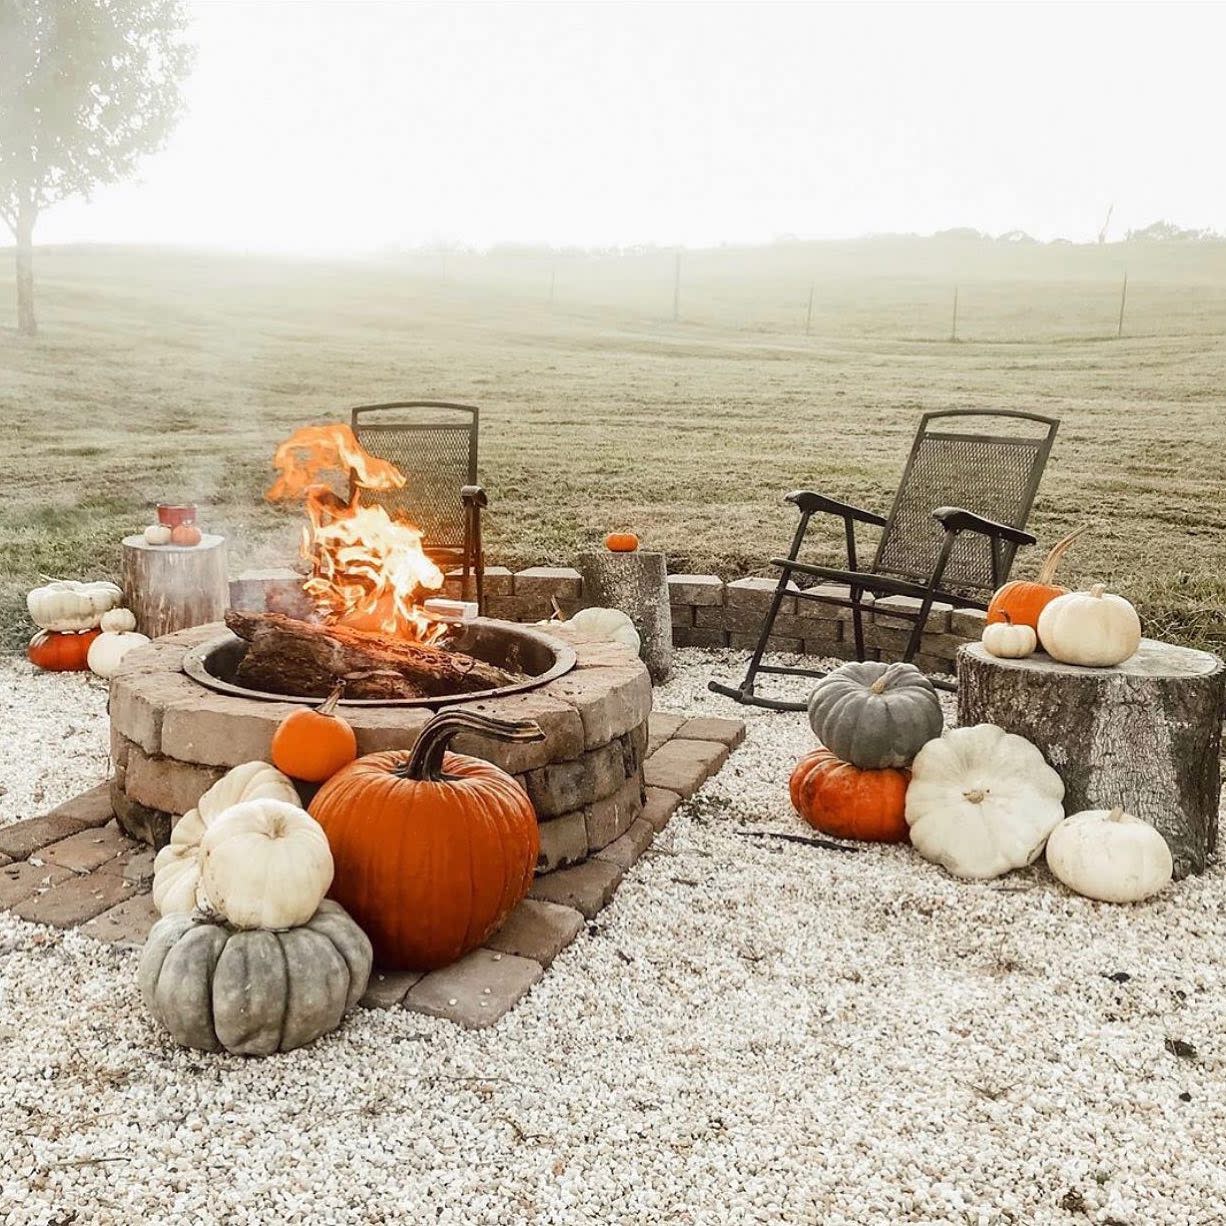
(957, 520)
(434, 444)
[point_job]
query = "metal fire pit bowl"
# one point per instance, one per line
(521, 649)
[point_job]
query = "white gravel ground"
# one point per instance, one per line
(754, 1031)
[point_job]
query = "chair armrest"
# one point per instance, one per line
(809, 502)
(956, 519)
(473, 496)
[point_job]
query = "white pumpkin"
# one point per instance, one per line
(107, 651)
(65, 604)
(1007, 641)
(158, 534)
(117, 621)
(1109, 855)
(610, 624)
(265, 864)
(982, 801)
(176, 870)
(1095, 628)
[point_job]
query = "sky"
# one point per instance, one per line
(349, 126)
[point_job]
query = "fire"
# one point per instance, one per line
(367, 568)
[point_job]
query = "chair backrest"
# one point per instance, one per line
(993, 474)
(434, 444)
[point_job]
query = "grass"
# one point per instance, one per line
(172, 375)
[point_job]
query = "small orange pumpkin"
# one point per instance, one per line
(1022, 600)
(847, 802)
(621, 542)
(61, 651)
(314, 744)
(185, 534)
(433, 850)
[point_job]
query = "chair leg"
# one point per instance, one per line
(938, 573)
(479, 561)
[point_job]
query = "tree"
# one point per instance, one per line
(87, 87)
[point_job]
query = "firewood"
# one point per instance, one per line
(286, 656)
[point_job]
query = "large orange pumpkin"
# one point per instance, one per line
(61, 651)
(433, 850)
(847, 802)
(1022, 600)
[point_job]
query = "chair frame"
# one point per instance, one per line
(470, 553)
(1004, 540)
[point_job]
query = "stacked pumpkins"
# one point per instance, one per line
(978, 801)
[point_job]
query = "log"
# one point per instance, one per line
(1145, 735)
(637, 584)
(287, 656)
(174, 587)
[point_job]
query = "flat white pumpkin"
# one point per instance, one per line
(107, 651)
(1109, 855)
(610, 624)
(158, 534)
(1094, 629)
(265, 864)
(982, 801)
(65, 604)
(176, 870)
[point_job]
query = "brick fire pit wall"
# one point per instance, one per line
(171, 738)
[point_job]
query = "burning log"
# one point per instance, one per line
(286, 656)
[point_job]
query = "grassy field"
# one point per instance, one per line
(165, 374)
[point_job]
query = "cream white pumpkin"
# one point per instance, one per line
(610, 624)
(265, 864)
(117, 621)
(1095, 628)
(158, 534)
(65, 604)
(107, 651)
(1007, 641)
(982, 801)
(1109, 855)
(176, 870)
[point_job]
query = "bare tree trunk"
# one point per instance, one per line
(27, 325)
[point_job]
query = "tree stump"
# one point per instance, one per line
(636, 583)
(175, 587)
(1144, 735)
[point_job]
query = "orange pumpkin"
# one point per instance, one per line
(433, 850)
(185, 534)
(847, 802)
(314, 744)
(621, 542)
(61, 651)
(1022, 600)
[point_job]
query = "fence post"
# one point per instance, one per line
(1123, 298)
(677, 288)
(953, 334)
(809, 311)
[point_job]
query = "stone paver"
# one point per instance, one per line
(70, 903)
(537, 930)
(127, 923)
(387, 988)
(22, 879)
(92, 808)
(134, 864)
(21, 838)
(587, 887)
(968, 623)
(625, 851)
(695, 590)
(660, 806)
(660, 727)
(730, 732)
(542, 582)
(87, 849)
(475, 991)
(683, 766)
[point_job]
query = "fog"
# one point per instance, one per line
(335, 127)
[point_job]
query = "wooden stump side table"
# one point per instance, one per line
(1145, 735)
(175, 587)
(636, 583)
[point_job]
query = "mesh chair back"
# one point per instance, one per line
(434, 444)
(994, 475)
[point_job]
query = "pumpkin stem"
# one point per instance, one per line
(878, 686)
(1116, 815)
(328, 706)
(976, 795)
(1097, 590)
(426, 761)
(1048, 570)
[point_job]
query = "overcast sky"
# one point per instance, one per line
(316, 126)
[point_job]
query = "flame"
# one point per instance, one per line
(366, 567)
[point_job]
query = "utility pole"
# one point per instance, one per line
(809, 311)
(553, 278)
(953, 334)
(677, 288)
(1123, 299)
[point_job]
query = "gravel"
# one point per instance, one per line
(754, 1031)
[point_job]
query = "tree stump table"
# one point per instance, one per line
(175, 587)
(637, 584)
(1145, 735)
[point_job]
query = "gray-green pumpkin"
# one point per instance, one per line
(253, 992)
(875, 715)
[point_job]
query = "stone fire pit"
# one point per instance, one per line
(172, 737)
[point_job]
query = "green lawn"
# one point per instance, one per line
(173, 375)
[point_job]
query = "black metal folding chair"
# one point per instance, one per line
(434, 444)
(958, 518)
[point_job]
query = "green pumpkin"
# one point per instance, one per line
(253, 992)
(875, 715)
